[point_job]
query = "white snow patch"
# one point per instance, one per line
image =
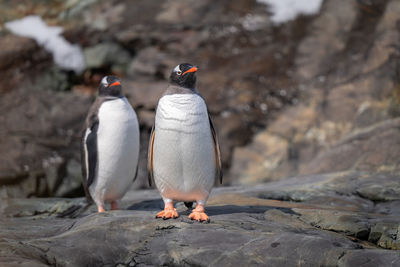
(285, 10)
(67, 56)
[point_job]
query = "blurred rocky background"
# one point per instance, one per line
(315, 97)
(315, 94)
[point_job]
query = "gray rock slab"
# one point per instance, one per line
(249, 226)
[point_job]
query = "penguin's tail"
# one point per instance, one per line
(188, 205)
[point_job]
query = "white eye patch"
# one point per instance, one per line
(177, 69)
(104, 81)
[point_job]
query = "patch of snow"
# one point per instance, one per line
(67, 56)
(285, 10)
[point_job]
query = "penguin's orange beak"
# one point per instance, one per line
(115, 83)
(193, 69)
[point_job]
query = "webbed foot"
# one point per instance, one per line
(168, 212)
(199, 215)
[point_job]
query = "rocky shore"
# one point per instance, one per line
(335, 219)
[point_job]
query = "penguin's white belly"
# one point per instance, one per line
(117, 150)
(183, 151)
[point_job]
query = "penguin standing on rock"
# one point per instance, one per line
(110, 146)
(184, 157)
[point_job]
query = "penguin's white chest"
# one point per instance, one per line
(183, 152)
(117, 149)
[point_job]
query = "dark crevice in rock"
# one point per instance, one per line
(359, 239)
(341, 255)
(374, 200)
(283, 197)
(168, 227)
(358, 194)
(367, 237)
(71, 226)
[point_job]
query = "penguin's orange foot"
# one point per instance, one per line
(101, 208)
(168, 214)
(199, 216)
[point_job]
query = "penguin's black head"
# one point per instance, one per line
(110, 86)
(184, 75)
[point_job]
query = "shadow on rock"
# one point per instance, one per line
(232, 209)
(150, 205)
(157, 205)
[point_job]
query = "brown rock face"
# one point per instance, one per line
(17, 57)
(345, 116)
(39, 132)
(369, 149)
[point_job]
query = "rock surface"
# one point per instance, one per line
(333, 219)
(39, 137)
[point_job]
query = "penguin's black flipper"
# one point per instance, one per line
(188, 205)
(217, 151)
(85, 168)
(136, 172)
(91, 146)
(150, 156)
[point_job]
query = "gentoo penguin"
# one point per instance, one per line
(184, 157)
(110, 145)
